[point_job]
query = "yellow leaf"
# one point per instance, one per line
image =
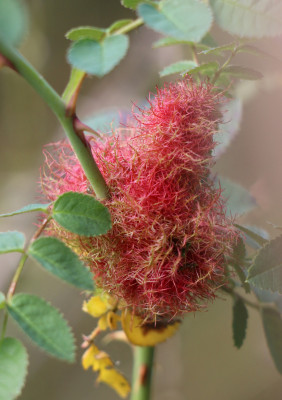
(103, 323)
(112, 320)
(88, 357)
(96, 306)
(102, 360)
(115, 380)
(146, 334)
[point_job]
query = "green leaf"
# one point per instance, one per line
(266, 270)
(239, 324)
(85, 32)
(82, 214)
(178, 67)
(220, 49)
(104, 121)
(61, 261)
(98, 58)
(131, 3)
(27, 209)
(249, 18)
(227, 129)
(13, 21)
(181, 19)
(43, 324)
(207, 69)
(170, 41)
(118, 25)
(2, 301)
(272, 323)
(12, 241)
(242, 73)
(255, 237)
(13, 368)
(238, 200)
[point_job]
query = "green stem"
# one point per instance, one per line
(234, 294)
(227, 62)
(4, 326)
(142, 373)
(16, 276)
(54, 101)
(129, 27)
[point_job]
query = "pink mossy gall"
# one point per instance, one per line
(166, 252)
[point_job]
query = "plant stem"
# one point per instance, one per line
(54, 101)
(256, 306)
(16, 276)
(129, 27)
(142, 373)
(4, 326)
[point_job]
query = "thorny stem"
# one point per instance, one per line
(142, 373)
(54, 101)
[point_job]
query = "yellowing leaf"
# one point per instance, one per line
(112, 320)
(101, 361)
(88, 357)
(115, 380)
(96, 306)
(103, 323)
(96, 359)
(144, 334)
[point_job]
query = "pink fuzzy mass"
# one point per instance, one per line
(166, 252)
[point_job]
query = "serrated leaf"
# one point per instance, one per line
(227, 129)
(170, 41)
(27, 209)
(104, 121)
(242, 72)
(118, 25)
(81, 214)
(272, 323)
(238, 199)
(44, 325)
(239, 324)
(207, 69)
(178, 67)
(131, 3)
(61, 261)
(13, 21)
(12, 241)
(85, 32)
(249, 18)
(98, 58)
(255, 237)
(220, 49)
(13, 368)
(182, 19)
(266, 270)
(2, 300)
(266, 296)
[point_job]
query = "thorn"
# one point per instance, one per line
(4, 62)
(80, 127)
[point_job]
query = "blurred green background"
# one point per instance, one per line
(200, 362)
